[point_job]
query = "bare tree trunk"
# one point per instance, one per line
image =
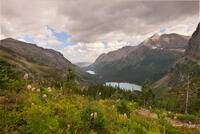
(187, 95)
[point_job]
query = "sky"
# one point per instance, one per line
(83, 29)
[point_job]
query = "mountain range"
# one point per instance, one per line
(148, 61)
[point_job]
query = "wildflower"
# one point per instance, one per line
(26, 76)
(68, 125)
(29, 87)
(33, 89)
(38, 90)
(113, 106)
(175, 117)
(190, 122)
(32, 104)
(169, 112)
(44, 96)
(91, 114)
(49, 89)
(99, 93)
(118, 100)
(125, 116)
(95, 115)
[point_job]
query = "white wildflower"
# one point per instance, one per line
(26, 76)
(113, 106)
(95, 115)
(29, 87)
(44, 96)
(99, 93)
(38, 90)
(33, 89)
(118, 100)
(125, 116)
(175, 117)
(49, 89)
(32, 104)
(68, 125)
(91, 114)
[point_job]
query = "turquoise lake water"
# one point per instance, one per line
(90, 72)
(124, 85)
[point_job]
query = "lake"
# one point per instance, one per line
(90, 72)
(124, 85)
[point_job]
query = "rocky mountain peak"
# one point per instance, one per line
(167, 42)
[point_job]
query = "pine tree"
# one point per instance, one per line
(69, 83)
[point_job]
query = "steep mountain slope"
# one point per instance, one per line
(38, 62)
(115, 55)
(192, 54)
(180, 88)
(193, 48)
(148, 61)
(37, 72)
(40, 55)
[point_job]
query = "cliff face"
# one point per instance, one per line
(192, 53)
(193, 48)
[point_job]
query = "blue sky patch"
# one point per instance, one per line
(162, 30)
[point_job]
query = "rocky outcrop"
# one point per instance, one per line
(193, 48)
(167, 42)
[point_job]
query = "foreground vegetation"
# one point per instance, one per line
(29, 107)
(31, 111)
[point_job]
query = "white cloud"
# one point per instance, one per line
(88, 52)
(91, 22)
(184, 29)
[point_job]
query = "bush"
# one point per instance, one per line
(123, 108)
(188, 118)
(92, 118)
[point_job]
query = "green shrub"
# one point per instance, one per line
(123, 108)
(92, 118)
(188, 118)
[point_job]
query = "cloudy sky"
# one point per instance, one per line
(83, 29)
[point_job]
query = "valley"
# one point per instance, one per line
(99, 67)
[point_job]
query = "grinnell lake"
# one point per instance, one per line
(124, 85)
